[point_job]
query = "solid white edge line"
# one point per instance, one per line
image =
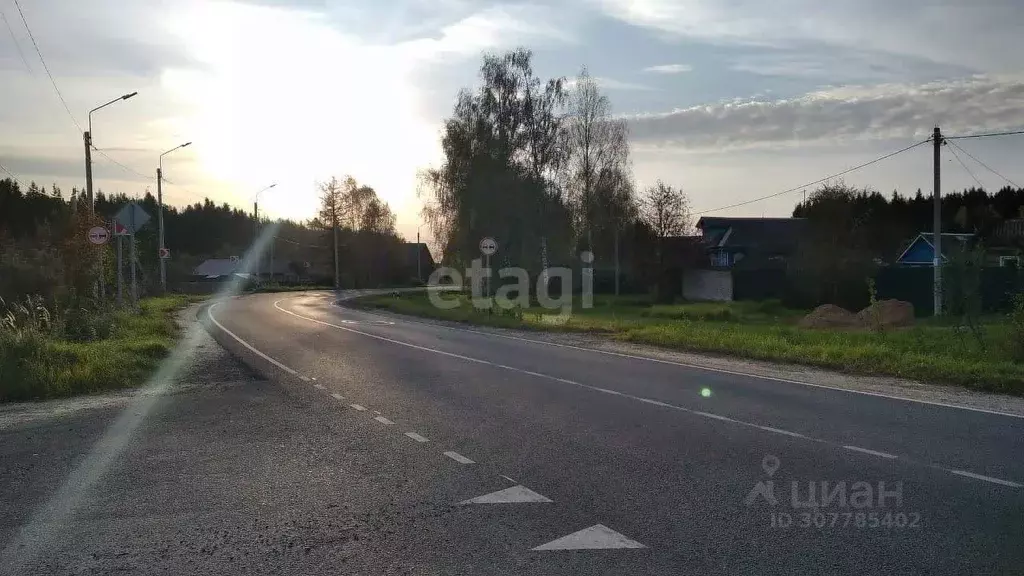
(985, 478)
(383, 420)
(549, 377)
(872, 452)
(209, 312)
(417, 437)
(458, 457)
(404, 318)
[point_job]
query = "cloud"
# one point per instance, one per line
(611, 84)
(669, 69)
(906, 28)
(849, 113)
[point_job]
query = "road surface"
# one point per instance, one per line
(370, 444)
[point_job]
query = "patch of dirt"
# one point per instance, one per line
(830, 316)
(888, 313)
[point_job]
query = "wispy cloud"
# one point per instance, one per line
(612, 84)
(841, 114)
(669, 68)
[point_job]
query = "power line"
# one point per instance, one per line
(816, 182)
(123, 167)
(16, 43)
(986, 166)
(957, 156)
(45, 67)
(988, 135)
(11, 174)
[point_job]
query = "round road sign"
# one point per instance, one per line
(165, 252)
(98, 235)
(488, 246)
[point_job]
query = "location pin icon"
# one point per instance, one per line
(770, 464)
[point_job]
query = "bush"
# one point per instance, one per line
(1017, 327)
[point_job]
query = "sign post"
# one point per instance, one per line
(488, 246)
(132, 217)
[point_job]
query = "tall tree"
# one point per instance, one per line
(332, 206)
(597, 147)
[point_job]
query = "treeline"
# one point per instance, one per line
(851, 234)
(543, 166)
(883, 225)
(44, 248)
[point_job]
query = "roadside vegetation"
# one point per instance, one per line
(47, 352)
(931, 351)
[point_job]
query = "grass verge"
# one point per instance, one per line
(35, 366)
(765, 331)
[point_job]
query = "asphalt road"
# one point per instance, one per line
(332, 441)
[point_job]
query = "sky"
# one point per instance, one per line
(729, 100)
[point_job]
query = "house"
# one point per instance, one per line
(416, 259)
(221, 269)
(921, 250)
(756, 242)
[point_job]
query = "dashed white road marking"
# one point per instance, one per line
(417, 437)
(383, 420)
(303, 378)
(986, 478)
(358, 407)
(337, 396)
(509, 479)
(597, 537)
(318, 386)
(779, 431)
(515, 495)
(872, 452)
(458, 458)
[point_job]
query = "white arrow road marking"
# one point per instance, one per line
(459, 458)
(417, 437)
(514, 495)
(597, 537)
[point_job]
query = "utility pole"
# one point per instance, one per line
(937, 221)
(160, 213)
(87, 136)
(419, 272)
(120, 267)
(160, 226)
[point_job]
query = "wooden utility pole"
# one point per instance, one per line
(937, 221)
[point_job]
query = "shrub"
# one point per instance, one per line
(1017, 327)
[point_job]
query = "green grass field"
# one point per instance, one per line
(931, 351)
(34, 366)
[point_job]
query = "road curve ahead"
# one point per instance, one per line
(515, 456)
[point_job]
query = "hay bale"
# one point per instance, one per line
(888, 313)
(829, 316)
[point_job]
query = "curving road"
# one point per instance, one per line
(511, 455)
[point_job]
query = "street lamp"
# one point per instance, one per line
(88, 148)
(256, 226)
(160, 213)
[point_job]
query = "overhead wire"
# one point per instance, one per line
(45, 67)
(12, 175)
(985, 166)
(968, 170)
(16, 43)
(986, 135)
(816, 182)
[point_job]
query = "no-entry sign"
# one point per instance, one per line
(99, 235)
